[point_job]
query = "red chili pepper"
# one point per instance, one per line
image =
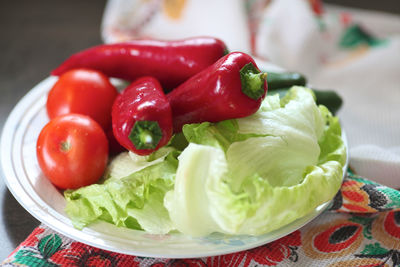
(170, 62)
(141, 117)
(233, 87)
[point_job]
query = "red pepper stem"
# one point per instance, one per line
(252, 81)
(145, 134)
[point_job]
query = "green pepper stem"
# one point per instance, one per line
(226, 51)
(145, 134)
(252, 81)
(65, 146)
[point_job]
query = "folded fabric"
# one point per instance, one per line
(357, 54)
(354, 52)
(124, 20)
(361, 228)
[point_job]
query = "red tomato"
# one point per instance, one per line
(84, 91)
(72, 151)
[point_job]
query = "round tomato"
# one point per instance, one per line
(84, 91)
(72, 151)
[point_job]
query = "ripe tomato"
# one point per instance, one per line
(84, 91)
(72, 151)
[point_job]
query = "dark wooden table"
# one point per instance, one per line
(35, 36)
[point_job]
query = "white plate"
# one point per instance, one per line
(39, 197)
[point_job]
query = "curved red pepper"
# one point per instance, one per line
(170, 62)
(233, 87)
(141, 117)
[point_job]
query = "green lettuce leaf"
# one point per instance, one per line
(127, 163)
(266, 171)
(134, 201)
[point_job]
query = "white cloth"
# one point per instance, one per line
(291, 36)
(368, 78)
(124, 19)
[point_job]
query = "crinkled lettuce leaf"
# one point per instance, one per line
(134, 201)
(268, 170)
(127, 163)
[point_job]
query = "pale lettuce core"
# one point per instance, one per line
(243, 176)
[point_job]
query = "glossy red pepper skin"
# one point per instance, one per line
(215, 94)
(170, 62)
(142, 103)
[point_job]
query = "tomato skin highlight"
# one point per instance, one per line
(83, 91)
(72, 151)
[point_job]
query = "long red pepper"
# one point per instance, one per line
(141, 117)
(233, 87)
(170, 62)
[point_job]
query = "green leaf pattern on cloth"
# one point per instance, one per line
(39, 254)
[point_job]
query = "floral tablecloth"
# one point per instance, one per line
(361, 228)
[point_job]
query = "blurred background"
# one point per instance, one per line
(36, 36)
